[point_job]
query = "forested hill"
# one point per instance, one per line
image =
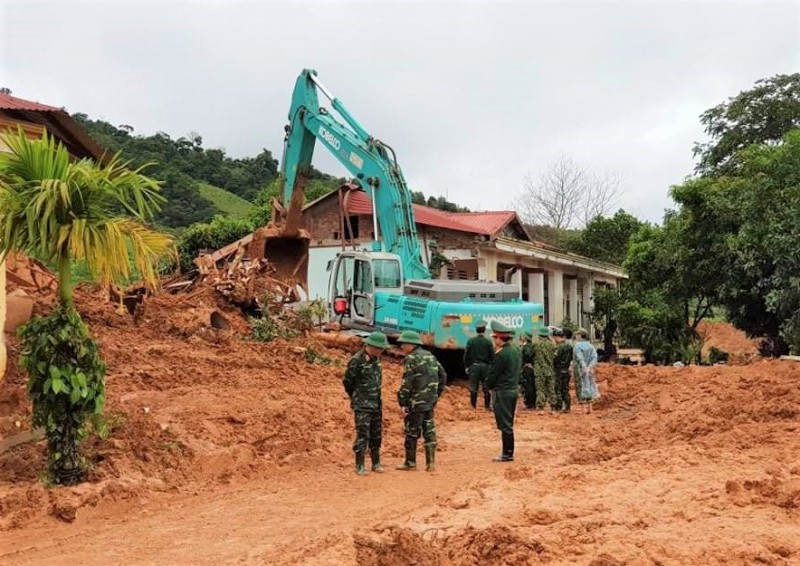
(187, 169)
(201, 182)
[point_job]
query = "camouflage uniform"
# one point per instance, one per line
(362, 382)
(478, 357)
(561, 365)
(424, 380)
(543, 353)
(528, 382)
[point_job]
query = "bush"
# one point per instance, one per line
(312, 313)
(268, 328)
(66, 383)
(220, 232)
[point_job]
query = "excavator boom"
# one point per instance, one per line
(372, 164)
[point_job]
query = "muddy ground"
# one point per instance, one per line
(224, 451)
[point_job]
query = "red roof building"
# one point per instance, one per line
(34, 118)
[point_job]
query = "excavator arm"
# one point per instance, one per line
(371, 162)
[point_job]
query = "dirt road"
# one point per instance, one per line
(684, 493)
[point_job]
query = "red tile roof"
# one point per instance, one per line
(360, 203)
(485, 222)
(8, 102)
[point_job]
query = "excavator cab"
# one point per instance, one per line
(355, 278)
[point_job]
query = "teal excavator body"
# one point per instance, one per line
(386, 287)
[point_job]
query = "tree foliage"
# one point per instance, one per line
(606, 238)
(212, 236)
(761, 290)
(181, 164)
(761, 115)
(66, 384)
(439, 203)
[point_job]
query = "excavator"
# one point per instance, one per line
(386, 287)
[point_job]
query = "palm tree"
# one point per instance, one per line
(61, 211)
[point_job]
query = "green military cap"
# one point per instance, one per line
(499, 328)
(529, 334)
(410, 337)
(543, 331)
(377, 340)
(480, 323)
(558, 332)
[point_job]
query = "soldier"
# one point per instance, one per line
(561, 367)
(528, 383)
(478, 358)
(503, 380)
(362, 382)
(424, 380)
(543, 353)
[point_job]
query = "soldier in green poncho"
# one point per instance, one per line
(503, 380)
(478, 357)
(362, 382)
(424, 381)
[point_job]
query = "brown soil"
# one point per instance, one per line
(226, 451)
(728, 339)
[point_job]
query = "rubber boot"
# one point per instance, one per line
(473, 399)
(430, 457)
(411, 460)
(487, 400)
(375, 455)
(508, 448)
(360, 469)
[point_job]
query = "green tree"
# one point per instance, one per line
(762, 289)
(439, 203)
(606, 239)
(681, 261)
(64, 211)
(761, 115)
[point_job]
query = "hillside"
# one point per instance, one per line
(227, 203)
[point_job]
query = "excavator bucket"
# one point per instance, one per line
(284, 244)
(286, 255)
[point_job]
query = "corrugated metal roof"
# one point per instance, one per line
(8, 102)
(360, 203)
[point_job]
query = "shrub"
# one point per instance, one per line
(66, 385)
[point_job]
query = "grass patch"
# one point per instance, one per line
(228, 203)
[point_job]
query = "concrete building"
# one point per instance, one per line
(490, 246)
(34, 119)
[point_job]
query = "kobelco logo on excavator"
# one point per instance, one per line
(329, 137)
(512, 321)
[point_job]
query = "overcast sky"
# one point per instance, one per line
(471, 95)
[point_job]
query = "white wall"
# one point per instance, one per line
(317, 274)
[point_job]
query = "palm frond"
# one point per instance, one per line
(59, 209)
